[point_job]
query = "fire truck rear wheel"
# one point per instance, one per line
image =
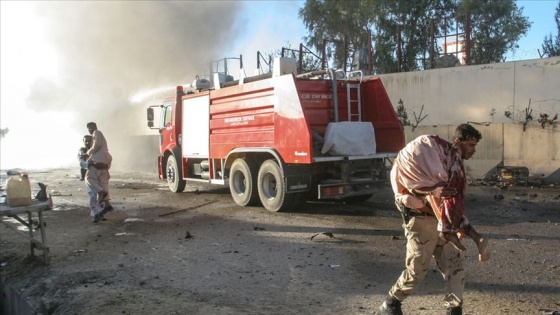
(272, 190)
(243, 182)
(174, 174)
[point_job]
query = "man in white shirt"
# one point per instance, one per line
(97, 178)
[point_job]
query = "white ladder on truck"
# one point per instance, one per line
(354, 87)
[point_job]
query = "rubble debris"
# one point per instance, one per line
(514, 175)
(328, 234)
(187, 209)
(507, 176)
(57, 194)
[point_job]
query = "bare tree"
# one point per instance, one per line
(551, 46)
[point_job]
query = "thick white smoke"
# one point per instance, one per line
(106, 52)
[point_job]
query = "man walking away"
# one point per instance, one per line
(98, 176)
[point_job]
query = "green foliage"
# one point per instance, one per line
(345, 25)
(338, 27)
(309, 62)
(409, 22)
(551, 46)
(496, 26)
(401, 113)
(341, 28)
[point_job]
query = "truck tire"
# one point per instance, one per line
(243, 182)
(272, 191)
(174, 173)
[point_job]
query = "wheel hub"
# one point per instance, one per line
(269, 186)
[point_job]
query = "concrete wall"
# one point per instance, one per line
(469, 93)
(536, 148)
(451, 96)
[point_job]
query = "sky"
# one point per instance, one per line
(541, 14)
(66, 63)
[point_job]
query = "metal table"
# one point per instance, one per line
(24, 215)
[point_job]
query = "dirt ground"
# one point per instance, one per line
(198, 253)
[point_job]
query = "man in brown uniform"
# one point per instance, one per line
(416, 179)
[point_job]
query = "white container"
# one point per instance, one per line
(18, 191)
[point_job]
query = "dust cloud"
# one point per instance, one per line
(111, 50)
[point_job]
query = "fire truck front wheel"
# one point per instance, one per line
(174, 174)
(243, 182)
(272, 190)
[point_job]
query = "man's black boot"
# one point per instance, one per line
(455, 311)
(391, 306)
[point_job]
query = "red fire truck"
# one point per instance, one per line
(280, 139)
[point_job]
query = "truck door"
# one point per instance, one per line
(166, 132)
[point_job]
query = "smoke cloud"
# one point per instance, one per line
(109, 51)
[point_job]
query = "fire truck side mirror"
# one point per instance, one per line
(150, 115)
